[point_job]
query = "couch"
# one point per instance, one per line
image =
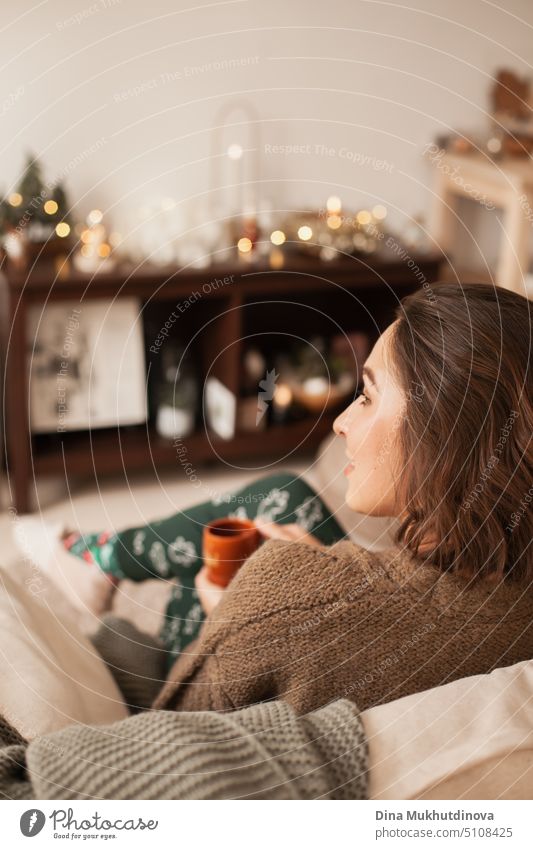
(470, 739)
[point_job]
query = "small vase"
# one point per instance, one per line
(174, 422)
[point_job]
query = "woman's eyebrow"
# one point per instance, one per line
(367, 371)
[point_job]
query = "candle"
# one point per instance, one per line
(281, 403)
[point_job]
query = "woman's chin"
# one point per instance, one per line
(359, 504)
(353, 501)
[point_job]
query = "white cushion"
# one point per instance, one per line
(471, 739)
(52, 676)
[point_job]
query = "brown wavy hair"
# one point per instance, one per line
(462, 354)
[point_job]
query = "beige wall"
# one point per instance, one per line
(125, 95)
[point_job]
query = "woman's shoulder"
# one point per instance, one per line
(300, 563)
(282, 575)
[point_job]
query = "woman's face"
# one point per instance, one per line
(369, 426)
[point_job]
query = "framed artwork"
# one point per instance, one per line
(86, 365)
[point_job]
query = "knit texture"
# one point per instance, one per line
(311, 625)
(261, 752)
(14, 783)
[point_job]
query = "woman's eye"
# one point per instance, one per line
(361, 394)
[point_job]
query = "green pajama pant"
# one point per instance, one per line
(171, 548)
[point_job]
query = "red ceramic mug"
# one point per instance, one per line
(226, 544)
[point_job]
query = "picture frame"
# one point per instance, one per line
(86, 365)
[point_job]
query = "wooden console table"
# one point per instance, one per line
(353, 294)
(506, 184)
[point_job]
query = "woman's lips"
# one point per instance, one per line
(348, 469)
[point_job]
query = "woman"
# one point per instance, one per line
(440, 437)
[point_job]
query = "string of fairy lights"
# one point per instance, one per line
(330, 231)
(30, 219)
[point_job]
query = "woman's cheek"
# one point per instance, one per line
(360, 432)
(362, 475)
(367, 474)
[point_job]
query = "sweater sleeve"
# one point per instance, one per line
(199, 678)
(266, 637)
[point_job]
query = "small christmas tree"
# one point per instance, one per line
(33, 190)
(60, 198)
(34, 205)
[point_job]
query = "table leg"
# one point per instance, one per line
(513, 261)
(18, 440)
(443, 220)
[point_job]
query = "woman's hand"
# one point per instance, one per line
(209, 594)
(292, 532)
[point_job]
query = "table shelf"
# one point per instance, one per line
(355, 293)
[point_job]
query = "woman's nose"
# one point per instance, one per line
(340, 423)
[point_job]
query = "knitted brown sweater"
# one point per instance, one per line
(310, 625)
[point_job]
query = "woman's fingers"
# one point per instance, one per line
(209, 594)
(275, 531)
(295, 531)
(288, 532)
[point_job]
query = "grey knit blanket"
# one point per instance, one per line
(264, 751)
(260, 752)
